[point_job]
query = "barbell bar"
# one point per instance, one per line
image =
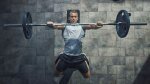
(122, 24)
(19, 25)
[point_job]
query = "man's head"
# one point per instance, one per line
(73, 17)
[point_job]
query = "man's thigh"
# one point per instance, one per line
(84, 69)
(60, 65)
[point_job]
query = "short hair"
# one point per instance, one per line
(73, 11)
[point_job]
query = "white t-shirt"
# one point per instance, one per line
(73, 34)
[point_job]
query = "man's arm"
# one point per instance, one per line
(93, 26)
(55, 25)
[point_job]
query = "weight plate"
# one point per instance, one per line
(124, 23)
(27, 29)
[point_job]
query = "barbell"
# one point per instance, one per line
(122, 24)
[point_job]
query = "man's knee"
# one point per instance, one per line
(57, 73)
(59, 67)
(87, 75)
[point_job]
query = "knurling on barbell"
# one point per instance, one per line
(122, 24)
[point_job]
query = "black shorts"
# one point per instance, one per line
(78, 62)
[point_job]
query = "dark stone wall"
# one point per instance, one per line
(25, 61)
(113, 60)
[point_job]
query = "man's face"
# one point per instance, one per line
(73, 17)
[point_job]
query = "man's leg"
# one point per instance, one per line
(84, 69)
(60, 66)
(87, 74)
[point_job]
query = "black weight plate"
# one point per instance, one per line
(123, 28)
(27, 29)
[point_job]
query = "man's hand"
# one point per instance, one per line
(55, 25)
(50, 24)
(93, 26)
(99, 24)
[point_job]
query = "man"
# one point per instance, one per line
(72, 56)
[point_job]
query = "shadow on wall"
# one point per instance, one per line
(144, 75)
